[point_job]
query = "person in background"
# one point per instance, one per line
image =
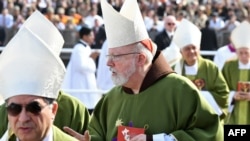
(164, 38)
(76, 17)
(152, 22)
(149, 101)
(56, 21)
(92, 16)
(208, 40)
(81, 69)
(6, 23)
(231, 23)
(216, 22)
(224, 54)
(18, 18)
(6, 19)
(62, 16)
(99, 32)
(70, 25)
(237, 75)
(180, 15)
(203, 72)
(30, 82)
(201, 17)
(50, 13)
(104, 82)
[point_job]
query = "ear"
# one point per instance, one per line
(54, 108)
(142, 59)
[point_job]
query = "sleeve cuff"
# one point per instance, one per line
(164, 137)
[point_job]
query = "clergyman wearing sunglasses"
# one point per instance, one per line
(31, 75)
(34, 107)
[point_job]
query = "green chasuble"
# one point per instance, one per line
(213, 81)
(168, 106)
(191, 77)
(242, 114)
(233, 75)
(71, 112)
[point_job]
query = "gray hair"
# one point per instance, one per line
(149, 55)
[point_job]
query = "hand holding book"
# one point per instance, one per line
(243, 91)
(125, 133)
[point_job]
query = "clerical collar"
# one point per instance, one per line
(231, 48)
(83, 42)
(191, 70)
(244, 66)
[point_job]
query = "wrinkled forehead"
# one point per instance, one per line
(170, 19)
(189, 46)
(243, 49)
(23, 99)
(122, 49)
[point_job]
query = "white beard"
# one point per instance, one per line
(121, 79)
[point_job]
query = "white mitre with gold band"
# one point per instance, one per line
(30, 63)
(186, 34)
(124, 27)
(240, 36)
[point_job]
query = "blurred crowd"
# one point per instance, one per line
(222, 16)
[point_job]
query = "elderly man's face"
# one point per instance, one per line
(190, 54)
(122, 63)
(34, 119)
(243, 54)
(170, 24)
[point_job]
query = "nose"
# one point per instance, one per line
(109, 62)
(24, 116)
(191, 50)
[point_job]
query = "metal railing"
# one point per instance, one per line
(84, 91)
(69, 50)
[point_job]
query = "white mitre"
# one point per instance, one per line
(30, 63)
(124, 27)
(187, 34)
(240, 36)
(172, 54)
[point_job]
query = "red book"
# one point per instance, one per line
(243, 86)
(125, 133)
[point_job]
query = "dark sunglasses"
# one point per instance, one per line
(171, 24)
(15, 109)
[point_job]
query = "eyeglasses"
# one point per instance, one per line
(169, 24)
(15, 109)
(115, 57)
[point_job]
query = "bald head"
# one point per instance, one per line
(170, 23)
